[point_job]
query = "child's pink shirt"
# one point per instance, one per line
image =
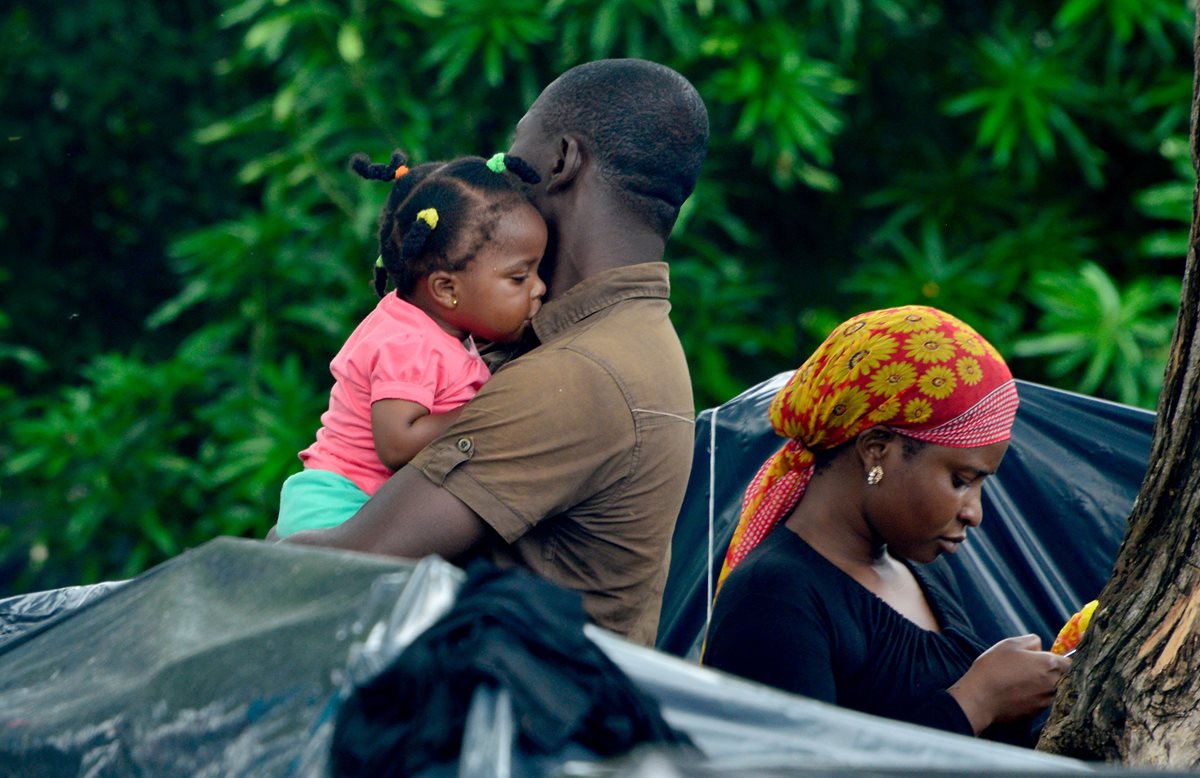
(396, 353)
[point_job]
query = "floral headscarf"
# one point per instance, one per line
(919, 371)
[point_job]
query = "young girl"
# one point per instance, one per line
(461, 245)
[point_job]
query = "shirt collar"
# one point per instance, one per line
(645, 279)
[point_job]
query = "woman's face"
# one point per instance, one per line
(929, 498)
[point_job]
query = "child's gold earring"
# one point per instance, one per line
(453, 302)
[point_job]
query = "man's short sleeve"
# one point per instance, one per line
(548, 431)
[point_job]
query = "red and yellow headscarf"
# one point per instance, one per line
(916, 370)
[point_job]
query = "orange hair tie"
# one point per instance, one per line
(401, 172)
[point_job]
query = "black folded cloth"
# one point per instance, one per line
(511, 630)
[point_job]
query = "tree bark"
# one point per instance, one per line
(1133, 692)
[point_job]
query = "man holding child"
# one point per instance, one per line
(573, 459)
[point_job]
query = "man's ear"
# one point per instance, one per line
(442, 288)
(568, 163)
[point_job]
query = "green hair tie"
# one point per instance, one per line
(379, 261)
(496, 163)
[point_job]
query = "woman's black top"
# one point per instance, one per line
(787, 617)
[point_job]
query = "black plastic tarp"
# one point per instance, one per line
(1054, 513)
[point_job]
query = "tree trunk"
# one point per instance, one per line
(1133, 692)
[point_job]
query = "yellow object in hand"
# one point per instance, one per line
(1072, 631)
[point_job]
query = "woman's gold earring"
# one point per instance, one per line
(453, 302)
(874, 475)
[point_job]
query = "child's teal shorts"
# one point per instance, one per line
(316, 499)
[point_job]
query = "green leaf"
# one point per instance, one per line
(434, 9)
(493, 63)
(242, 12)
(162, 539)
(1169, 200)
(269, 35)
(23, 462)
(604, 28)
(349, 43)
(284, 104)
(217, 131)
(191, 294)
(1074, 11)
(1164, 244)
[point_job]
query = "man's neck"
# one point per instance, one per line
(583, 252)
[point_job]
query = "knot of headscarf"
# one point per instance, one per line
(916, 370)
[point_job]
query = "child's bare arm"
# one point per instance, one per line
(402, 428)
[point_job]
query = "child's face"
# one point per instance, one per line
(500, 291)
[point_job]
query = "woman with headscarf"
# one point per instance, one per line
(832, 586)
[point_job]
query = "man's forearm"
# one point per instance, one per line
(408, 517)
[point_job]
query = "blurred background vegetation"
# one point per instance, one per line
(183, 250)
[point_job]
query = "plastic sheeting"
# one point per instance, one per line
(232, 660)
(24, 612)
(214, 663)
(1054, 513)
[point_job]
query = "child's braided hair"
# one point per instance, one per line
(439, 214)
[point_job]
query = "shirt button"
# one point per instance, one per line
(464, 444)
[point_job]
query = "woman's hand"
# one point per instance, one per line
(1013, 679)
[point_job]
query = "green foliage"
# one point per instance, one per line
(139, 446)
(925, 273)
(98, 169)
(1027, 95)
(1169, 201)
(22, 357)
(1118, 337)
(786, 100)
(192, 251)
(1125, 16)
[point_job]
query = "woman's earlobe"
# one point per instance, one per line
(872, 445)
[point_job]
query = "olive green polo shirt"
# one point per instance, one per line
(577, 453)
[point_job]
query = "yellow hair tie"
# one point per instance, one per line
(429, 216)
